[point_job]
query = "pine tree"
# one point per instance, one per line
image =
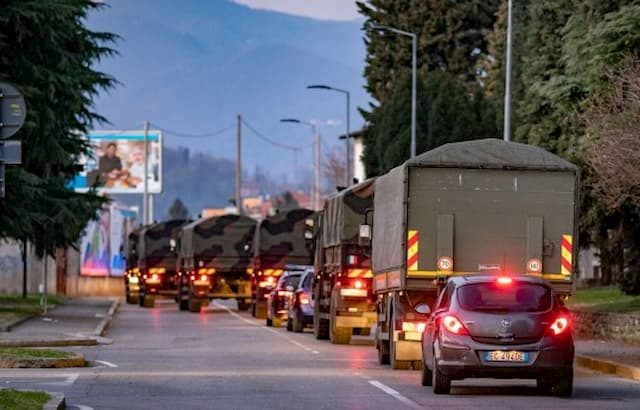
(178, 210)
(48, 53)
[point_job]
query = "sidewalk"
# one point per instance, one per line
(617, 358)
(76, 322)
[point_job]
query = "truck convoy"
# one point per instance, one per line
(282, 242)
(484, 206)
(157, 260)
(343, 293)
(214, 261)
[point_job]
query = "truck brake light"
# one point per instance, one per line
(453, 325)
(358, 284)
(413, 326)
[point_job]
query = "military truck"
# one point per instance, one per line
(132, 273)
(214, 261)
(471, 207)
(282, 242)
(344, 302)
(157, 260)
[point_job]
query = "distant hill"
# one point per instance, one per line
(193, 65)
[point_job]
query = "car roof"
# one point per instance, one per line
(488, 278)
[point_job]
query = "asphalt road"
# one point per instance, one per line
(222, 359)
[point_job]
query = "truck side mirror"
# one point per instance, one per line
(364, 235)
(173, 245)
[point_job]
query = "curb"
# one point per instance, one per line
(102, 327)
(11, 325)
(77, 360)
(49, 343)
(609, 367)
(57, 402)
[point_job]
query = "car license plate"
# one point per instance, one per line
(506, 356)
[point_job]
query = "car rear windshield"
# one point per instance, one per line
(515, 297)
(289, 280)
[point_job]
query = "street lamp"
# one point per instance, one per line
(315, 197)
(414, 70)
(347, 176)
(507, 77)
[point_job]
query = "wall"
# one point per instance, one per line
(607, 326)
(11, 276)
(85, 286)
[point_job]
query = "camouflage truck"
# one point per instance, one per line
(282, 242)
(157, 260)
(344, 302)
(472, 207)
(132, 272)
(214, 261)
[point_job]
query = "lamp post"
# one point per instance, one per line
(347, 177)
(414, 76)
(315, 194)
(507, 77)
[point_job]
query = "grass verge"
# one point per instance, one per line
(604, 299)
(11, 399)
(23, 353)
(14, 307)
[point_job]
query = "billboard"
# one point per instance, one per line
(102, 248)
(116, 163)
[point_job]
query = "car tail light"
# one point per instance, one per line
(504, 280)
(413, 326)
(453, 325)
(304, 299)
(559, 326)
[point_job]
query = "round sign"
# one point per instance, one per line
(445, 263)
(13, 110)
(534, 265)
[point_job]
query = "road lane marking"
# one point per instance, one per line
(395, 394)
(106, 363)
(82, 407)
(291, 340)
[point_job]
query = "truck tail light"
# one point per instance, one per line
(204, 278)
(559, 326)
(358, 284)
(453, 325)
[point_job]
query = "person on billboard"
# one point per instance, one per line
(110, 165)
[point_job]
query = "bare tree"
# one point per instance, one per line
(612, 121)
(333, 167)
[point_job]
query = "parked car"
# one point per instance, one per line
(280, 296)
(301, 304)
(499, 327)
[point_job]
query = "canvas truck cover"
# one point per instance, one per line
(220, 241)
(473, 206)
(132, 248)
(344, 213)
(154, 246)
(280, 240)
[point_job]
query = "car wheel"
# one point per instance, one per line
(427, 375)
(184, 305)
(563, 386)
(289, 324)
(297, 325)
(194, 305)
(441, 383)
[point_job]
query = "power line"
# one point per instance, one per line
(181, 134)
(269, 140)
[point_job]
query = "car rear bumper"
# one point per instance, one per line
(465, 359)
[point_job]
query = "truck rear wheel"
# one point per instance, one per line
(340, 335)
(242, 305)
(183, 305)
(383, 348)
(195, 305)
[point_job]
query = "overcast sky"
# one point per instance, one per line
(318, 9)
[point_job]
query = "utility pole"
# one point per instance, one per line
(24, 268)
(239, 166)
(507, 79)
(145, 195)
(316, 184)
(348, 170)
(414, 91)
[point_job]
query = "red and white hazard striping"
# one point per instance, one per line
(413, 242)
(566, 258)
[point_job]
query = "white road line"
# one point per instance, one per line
(70, 379)
(395, 394)
(106, 363)
(295, 342)
(82, 407)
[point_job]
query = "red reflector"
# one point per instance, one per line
(559, 326)
(504, 280)
(453, 325)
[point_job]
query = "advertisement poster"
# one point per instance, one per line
(103, 244)
(117, 163)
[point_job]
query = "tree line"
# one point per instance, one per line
(575, 91)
